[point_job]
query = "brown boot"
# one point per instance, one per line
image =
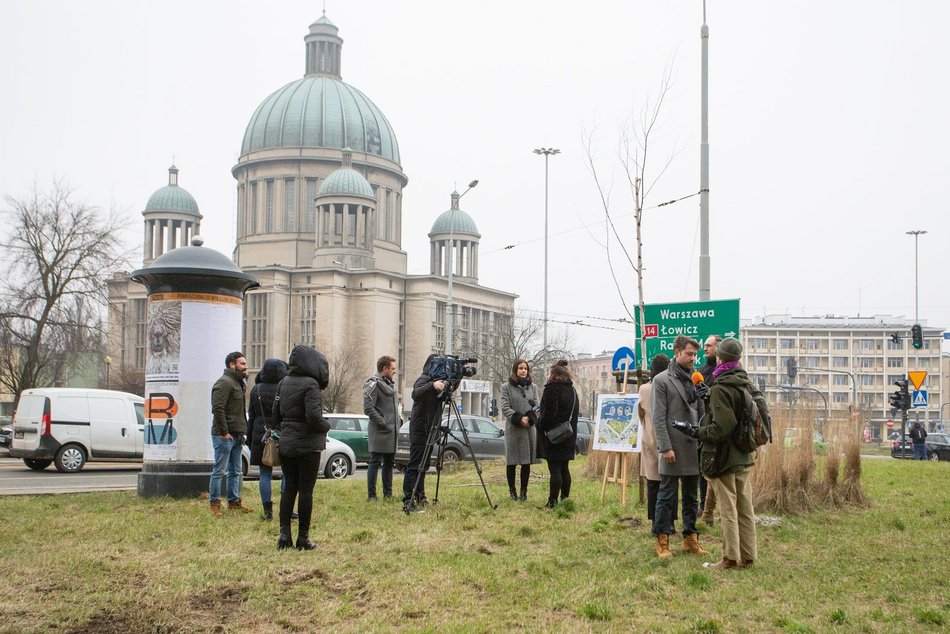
(691, 545)
(216, 508)
(745, 563)
(238, 506)
(725, 564)
(663, 546)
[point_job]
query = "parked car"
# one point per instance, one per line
(70, 426)
(6, 436)
(585, 431)
(487, 440)
(336, 462)
(353, 431)
(938, 447)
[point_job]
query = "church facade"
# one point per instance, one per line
(319, 223)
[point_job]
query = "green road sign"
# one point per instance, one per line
(663, 322)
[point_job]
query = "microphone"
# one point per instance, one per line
(701, 388)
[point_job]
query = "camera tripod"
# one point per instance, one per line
(437, 438)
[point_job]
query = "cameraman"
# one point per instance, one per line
(426, 412)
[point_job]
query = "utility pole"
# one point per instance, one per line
(917, 233)
(449, 305)
(704, 283)
(547, 152)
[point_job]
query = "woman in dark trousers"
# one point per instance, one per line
(259, 416)
(298, 417)
(559, 403)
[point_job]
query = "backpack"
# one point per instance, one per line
(753, 428)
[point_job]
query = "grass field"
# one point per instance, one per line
(112, 562)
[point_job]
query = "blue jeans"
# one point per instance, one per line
(920, 451)
(264, 484)
(666, 504)
(227, 456)
(380, 460)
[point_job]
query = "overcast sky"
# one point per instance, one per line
(829, 133)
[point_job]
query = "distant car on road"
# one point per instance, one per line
(585, 431)
(795, 437)
(353, 431)
(487, 439)
(6, 436)
(336, 462)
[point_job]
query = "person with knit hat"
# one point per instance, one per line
(726, 466)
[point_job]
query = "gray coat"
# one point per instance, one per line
(670, 404)
(380, 404)
(521, 443)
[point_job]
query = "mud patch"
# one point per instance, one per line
(630, 522)
(213, 599)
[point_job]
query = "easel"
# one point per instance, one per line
(616, 469)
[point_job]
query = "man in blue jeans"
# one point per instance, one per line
(228, 429)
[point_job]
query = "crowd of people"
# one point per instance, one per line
(688, 457)
(285, 406)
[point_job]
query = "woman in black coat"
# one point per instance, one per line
(259, 416)
(298, 417)
(558, 404)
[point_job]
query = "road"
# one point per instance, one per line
(17, 479)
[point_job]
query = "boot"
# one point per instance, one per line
(216, 508)
(745, 563)
(691, 544)
(663, 546)
(725, 564)
(284, 541)
(238, 506)
(552, 502)
(268, 511)
(524, 494)
(513, 493)
(304, 543)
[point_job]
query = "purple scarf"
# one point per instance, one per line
(725, 367)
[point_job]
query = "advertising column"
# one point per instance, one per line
(195, 300)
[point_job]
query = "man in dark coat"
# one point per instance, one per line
(228, 427)
(919, 435)
(426, 412)
(675, 399)
(382, 406)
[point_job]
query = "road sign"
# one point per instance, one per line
(917, 377)
(890, 424)
(663, 322)
(624, 357)
(920, 398)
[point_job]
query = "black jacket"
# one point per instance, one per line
(707, 370)
(262, 401)
(298, 410)
(558, 403)
(426, 407)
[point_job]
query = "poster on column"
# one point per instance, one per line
(198, 331)
(616, 423)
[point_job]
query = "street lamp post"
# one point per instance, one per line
(916, 233)
(547, 152)
(449, 305)
(108, 361)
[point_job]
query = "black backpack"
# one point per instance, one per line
(753, 428)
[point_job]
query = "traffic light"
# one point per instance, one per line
(917, 334)
(493, 409)
(900, 399)
(791, 366)
(895, 338)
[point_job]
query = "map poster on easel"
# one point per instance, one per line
(616, 423)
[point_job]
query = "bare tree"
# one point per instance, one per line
(633, 152)
(520, 336)
(55, 260)
(346, 380)
(126, 378)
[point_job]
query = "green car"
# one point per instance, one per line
(353, 431)
(794, 437)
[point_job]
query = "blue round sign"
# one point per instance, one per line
(624, 357)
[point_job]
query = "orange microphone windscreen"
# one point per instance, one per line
(697, 377)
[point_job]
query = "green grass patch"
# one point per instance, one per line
(113, 562)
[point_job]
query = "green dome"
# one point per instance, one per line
(172, 197)
(320, 111)
(454, 221)
(346, 181)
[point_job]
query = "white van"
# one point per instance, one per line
(68, 426)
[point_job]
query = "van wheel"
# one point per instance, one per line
(338, 467)
(37, 465)
(70, 459)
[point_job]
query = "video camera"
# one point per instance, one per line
(451, 369)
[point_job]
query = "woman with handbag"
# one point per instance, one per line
(298, 417)
(557, 430)
(260, 419)
(519, 396)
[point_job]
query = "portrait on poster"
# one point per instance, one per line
(163, 329)
(616, 423)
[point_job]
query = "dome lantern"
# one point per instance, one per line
(324, 48)
(171, 219)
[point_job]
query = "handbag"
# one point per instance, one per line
(562, 432)
(271, 455)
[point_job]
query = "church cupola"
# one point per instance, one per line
(323, 48)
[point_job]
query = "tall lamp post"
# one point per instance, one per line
(917, 233)
(108, 361)
(547, 152)
(449, 305)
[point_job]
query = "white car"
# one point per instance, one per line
(336, 461)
